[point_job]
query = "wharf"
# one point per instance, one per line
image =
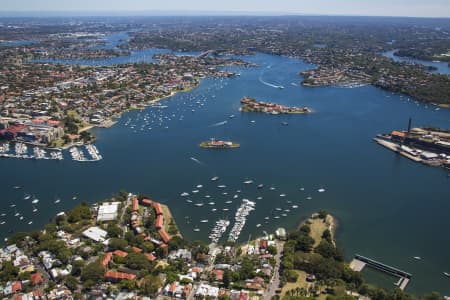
(359, 262)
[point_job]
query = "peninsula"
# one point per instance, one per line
(251, 105)
(129, 246)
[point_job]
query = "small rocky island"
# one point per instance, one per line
(251, 105)
(214, 144)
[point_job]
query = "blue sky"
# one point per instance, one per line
(422, 8)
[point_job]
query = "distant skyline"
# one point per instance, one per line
(409, 8)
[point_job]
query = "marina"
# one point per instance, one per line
(22, 151)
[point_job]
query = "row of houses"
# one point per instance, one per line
(159, 221)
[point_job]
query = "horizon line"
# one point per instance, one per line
(184, 13)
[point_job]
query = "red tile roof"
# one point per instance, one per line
(36, 278)
(136, 249)
(164, 235)
(135, 204)
(147, 202)
(120, 253)
(119, 275)
(159, 221)
(150, 256)
(16, 286)
(157, 208)
(106, 259)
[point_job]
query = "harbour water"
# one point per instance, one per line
(388, 207)
(441, 67)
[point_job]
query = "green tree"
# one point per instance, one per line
(117, 243)
(137, 261)
(71, 282)
(93, 272)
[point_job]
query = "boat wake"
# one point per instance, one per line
(197, 161)
(219, 124)
(270, 84)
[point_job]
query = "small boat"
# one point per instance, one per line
(204, 221)
(302, 189)
(272, 188)
(259, 198)
(225, 209)
(16, 214)
(321, 190)
(282, 195)
(260, 186)
(195, 191)
(248, 181)
(276, 217)
(35, 200)
(294, 206)
(196, 229)
(31, 222)
(446, 274)
(199, 204)
(252, 121)
(417, 257)
(309, 197)
(284, 123)
(27, 197)
(231, 116)
(278, 208)
(225, 193)
(199, 186)
(12, 205)
(235, 196)
(57, 201)
(214, 209)
(222, 186)
(16, 187)
(2, 222)
(188, 200)
(74, 198)
(258, 225)
(21, 218)
(215, 178)
(35, 209)
(228, 202)
(207, 196)
(211, 203)
(266, 218)
(184, 194)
